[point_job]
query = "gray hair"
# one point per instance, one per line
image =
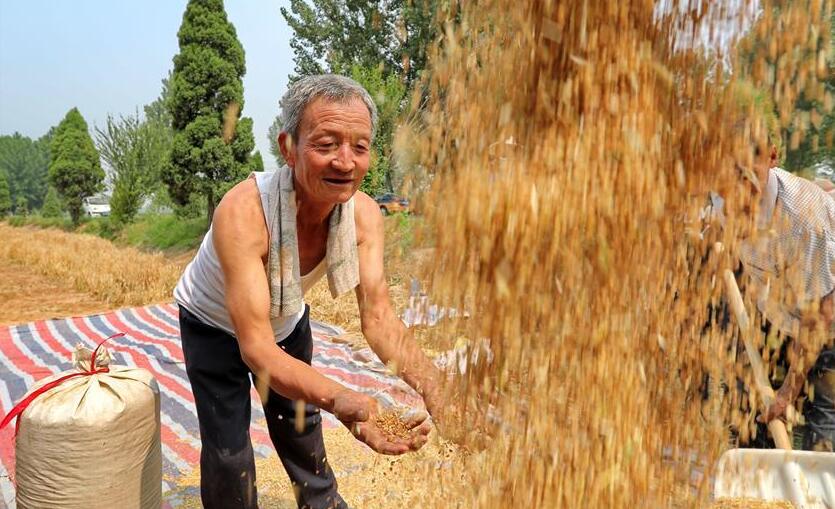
(328, 86)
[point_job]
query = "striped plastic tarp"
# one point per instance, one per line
(35, 350)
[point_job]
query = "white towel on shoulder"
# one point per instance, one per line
(342, 260)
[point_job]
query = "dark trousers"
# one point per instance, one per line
(818, 411)
(221, 384)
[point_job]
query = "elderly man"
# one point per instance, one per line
(242, 312)
(789, 260)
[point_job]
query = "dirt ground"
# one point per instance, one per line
(365, 479)
(27, 295)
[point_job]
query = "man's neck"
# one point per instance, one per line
(310, 213)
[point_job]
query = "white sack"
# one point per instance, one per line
(92, 442)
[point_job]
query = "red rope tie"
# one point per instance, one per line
(24, 403)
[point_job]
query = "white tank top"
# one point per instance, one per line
(201, 288)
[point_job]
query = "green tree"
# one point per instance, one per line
(388, 94)
(205, 89)
(257, 162)
(135, 152)
(21, 206)
(157, 114)
(809, 134)
(74, 167)
(335, 35)
(272, 135)
(52, 204)
(808, 123)
(382, 44)
(419, 31)
(157, 111)
(25, 162)
(5, 196)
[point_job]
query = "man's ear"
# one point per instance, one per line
(285, 145)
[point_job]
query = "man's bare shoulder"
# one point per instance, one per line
(367, 216)
(239, 217)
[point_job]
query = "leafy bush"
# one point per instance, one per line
(399, 232)
(60, 223)
(151, 231)
(52, 206)
(99, 226)
(164, 232)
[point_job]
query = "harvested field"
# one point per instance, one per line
(84, 274)
(119, 276)
(123, 276)
(28, 295)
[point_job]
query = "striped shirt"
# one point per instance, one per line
(791, 255)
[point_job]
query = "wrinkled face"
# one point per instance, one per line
(332, 153)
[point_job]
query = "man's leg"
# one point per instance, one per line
(221, 386)
(302, 453)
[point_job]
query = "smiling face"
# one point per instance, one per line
(332, 153)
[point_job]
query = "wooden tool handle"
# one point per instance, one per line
(776, 427)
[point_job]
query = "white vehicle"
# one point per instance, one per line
(96, 206)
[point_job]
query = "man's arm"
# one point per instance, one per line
(798, 367)
(811, 278)
(390, 339)
(241, 247)
(825, 185)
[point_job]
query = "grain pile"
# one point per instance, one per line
(574, 247)
(392, 425)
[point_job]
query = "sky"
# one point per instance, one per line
(109, 57)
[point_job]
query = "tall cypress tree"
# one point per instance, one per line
(74, 167)
(205, 87)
